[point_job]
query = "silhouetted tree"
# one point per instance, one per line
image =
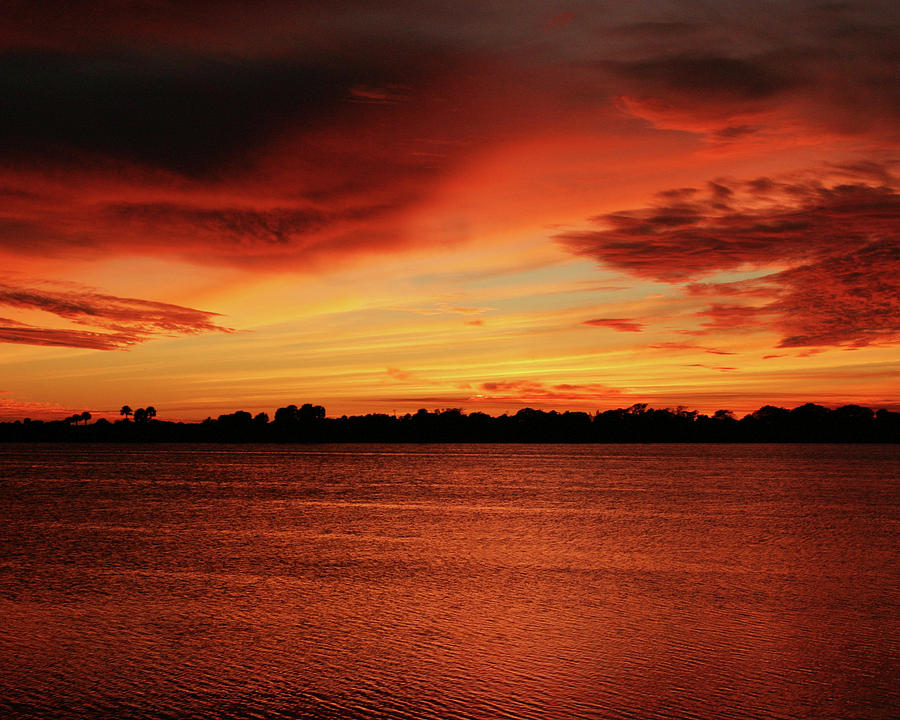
(684, 413)
(768, 424)
(809, 423)
(126, 411)
(888, 424)
(770, 414)
(639, 423)
(286, 415)
(310, 412)
(241, 418)
(150, 412)
(853, 422)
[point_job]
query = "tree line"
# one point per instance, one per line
(639, 423)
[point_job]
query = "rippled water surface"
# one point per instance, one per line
(449, 582)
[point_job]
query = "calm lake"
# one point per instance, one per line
(461, 581)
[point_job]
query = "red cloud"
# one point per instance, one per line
(293, 134)
(756, 224)
(13, 409)
(846, 299)
(850, 299)
(721, 368)
(25, 335)
(840, 245)
(669, 346)
(620, 324)
(128, 320)
(726, 317)
(536, 391)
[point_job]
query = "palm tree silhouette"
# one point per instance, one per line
(150, 412)
(85, 416)
(126, 411)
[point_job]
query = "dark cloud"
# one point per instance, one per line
(784, 70)
(185, 113)
(236, 226)
(656, 29)
(227, 225)
(296, 129)
(127, 320)
(274, 156)
(708, 77)
(261, 26)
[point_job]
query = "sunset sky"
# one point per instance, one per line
(214, 206)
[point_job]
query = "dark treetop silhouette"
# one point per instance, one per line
(638, 423)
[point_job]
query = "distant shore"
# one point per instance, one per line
(636, 424)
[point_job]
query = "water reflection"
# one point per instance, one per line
(466, 582)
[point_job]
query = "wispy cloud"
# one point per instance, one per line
(126, 321)
(620, 324)
(52, 337)
(536, 391)
(11, 408)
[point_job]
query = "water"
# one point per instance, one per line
(449, 582)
